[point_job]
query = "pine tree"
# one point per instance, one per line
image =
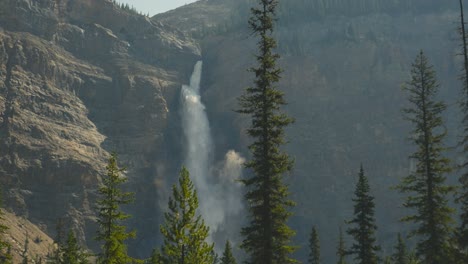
(8, 257)
(364, 227)
(426, 189)
(341, 249)
(25, 253)
(72, 252)
(5, 247)
(111, 232)
(155, 257)
(401, 255)
(57, 254)
(462, 198)
(387, 260)
(267, 237)
(215, 257)
(184, 231)
(314, 244)
(228, 258)
(413, 259)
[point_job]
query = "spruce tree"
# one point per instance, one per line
(413, 259)
(184, 230)
(57, 255)
(314, 245)
(72, 252)
(267, 237)
(5, 253)
(462, 197)
(363, 224)
(228, 258)
(387, 260)
(155, 257)
(111, 232)
(341, 249)
(25, 253)
(401, 255)
(425, 187)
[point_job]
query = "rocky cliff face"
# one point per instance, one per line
(79, 79)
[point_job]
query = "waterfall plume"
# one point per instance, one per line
(217, 186)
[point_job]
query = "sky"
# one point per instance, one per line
(154, 7)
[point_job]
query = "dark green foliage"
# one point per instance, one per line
(127, 8)
(184, 230)
(387, 260)
(215, 257)
(228, 258)
(401, 255)
(56, 256)
(462, 198)
(155, 257)
(314, 245)
(67, 251)
(24, 254)
(426, 189)
(341, 249)
(363, 224)
(72, 252)
(413, 259)
(267, 237)
(111, 232)
(5, 247)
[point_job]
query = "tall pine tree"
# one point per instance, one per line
(67, 250)
(363, 224)
(112, 233)
(184, 230)
(462, 198)
(267, 237)
(56, 257)
(341, 248)
(25, 253)
(72, 251)
(401, 255)
(228, 257)
(314, 246)
(426, 188)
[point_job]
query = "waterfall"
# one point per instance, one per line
(218, 191)
(197, 131)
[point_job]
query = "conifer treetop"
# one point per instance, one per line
(267, 237)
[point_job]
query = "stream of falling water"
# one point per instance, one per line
(218, 192)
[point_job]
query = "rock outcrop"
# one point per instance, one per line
(79, 79)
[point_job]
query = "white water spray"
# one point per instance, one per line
(218, 191)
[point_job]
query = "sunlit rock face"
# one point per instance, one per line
(80, 79)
